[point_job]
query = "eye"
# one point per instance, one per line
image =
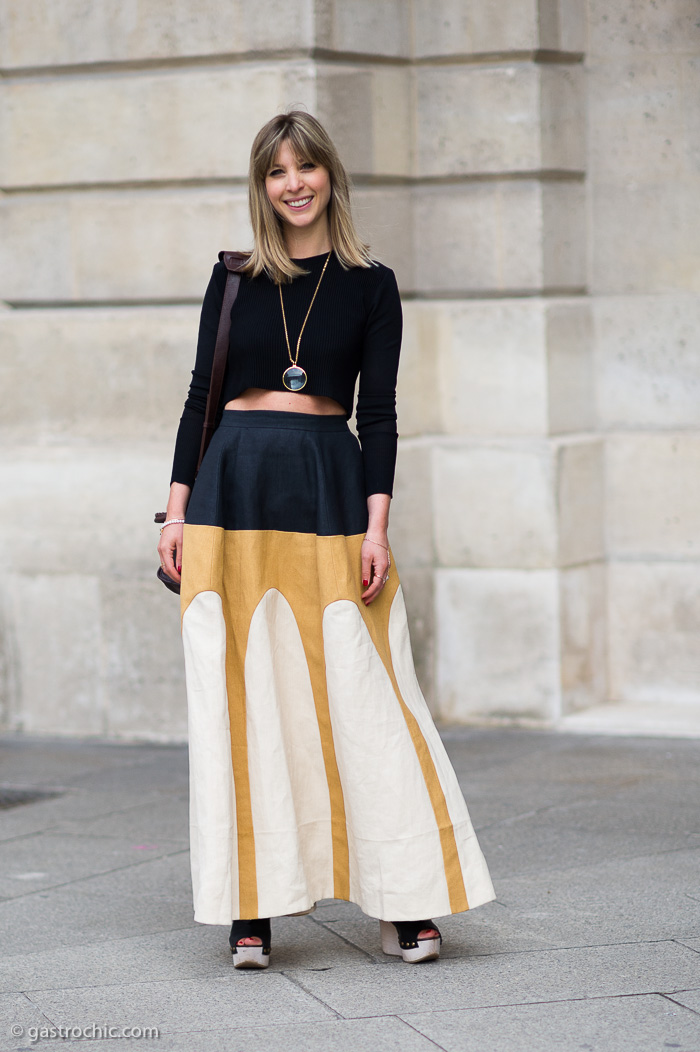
(308, 165)
(275, 171)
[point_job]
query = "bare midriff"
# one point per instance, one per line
(286, 402)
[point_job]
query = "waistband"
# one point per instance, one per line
(279, 419)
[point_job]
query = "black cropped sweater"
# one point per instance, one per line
(354, 329)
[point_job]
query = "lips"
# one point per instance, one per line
(299, 203)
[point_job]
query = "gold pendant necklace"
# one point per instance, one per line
(294, 377)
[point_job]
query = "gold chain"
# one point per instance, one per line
(284, 319)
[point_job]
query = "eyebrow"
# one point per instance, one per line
(299, 160)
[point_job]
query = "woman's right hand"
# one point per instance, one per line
(170, 543)
(170, 550)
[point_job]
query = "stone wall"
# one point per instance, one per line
(644, 189)
(508, 159)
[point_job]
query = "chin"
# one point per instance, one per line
(308, 219)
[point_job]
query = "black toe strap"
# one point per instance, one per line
(251, 929)
(408, 932)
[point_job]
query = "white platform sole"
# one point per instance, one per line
(426, 950)
(250, 957)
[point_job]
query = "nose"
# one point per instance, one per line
(294, 180)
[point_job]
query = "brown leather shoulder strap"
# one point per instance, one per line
(233, 262)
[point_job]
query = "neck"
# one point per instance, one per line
(303, 243)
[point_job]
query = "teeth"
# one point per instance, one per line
(299, 204)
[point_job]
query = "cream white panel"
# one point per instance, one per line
(399, 871)
(476, 875)
(213, 842)
(288, 786)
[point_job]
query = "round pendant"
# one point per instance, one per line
(294, 378)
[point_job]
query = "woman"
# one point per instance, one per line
(316, 771)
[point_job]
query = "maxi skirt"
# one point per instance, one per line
(315, 768)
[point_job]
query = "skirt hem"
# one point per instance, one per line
(419, 914)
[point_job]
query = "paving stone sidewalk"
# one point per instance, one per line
(593, 944)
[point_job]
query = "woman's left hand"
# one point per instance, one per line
(375, 569)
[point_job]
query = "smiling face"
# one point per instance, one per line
(299, 192)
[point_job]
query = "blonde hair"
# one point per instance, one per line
(309, 140)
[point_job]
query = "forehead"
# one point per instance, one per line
(291, 152)
(286, 154)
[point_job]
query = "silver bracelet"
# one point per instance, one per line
(171, 522)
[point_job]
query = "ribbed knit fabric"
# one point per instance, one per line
(354, 329)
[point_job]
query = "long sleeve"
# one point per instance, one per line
(376, 401)
(189, 434)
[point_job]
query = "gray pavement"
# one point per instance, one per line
(593, 943)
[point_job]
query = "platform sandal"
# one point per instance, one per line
(250, 956)
(401, 940)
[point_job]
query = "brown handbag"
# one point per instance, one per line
(233, 262)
